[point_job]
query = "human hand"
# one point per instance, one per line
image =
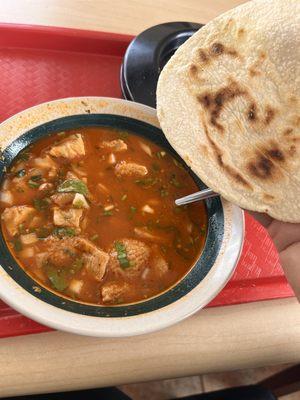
(286, 238)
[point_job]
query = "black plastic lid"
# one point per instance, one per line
(146, 56)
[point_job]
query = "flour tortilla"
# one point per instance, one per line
(228, 102)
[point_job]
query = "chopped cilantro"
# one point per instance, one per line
(202, 230)
(64, 231)
(94, 237)
(41, 204)
(17, 245)
(57, 279)
(122, 255)
(147, 182)
(174, 181)
(177, 163)
(132, 210)
(123, 135)
(21, 228)
(73, 185)
(163, 248)
(42, 232)
(107, 213)
(163, 192)
(155, 167)
(20, 173)
(79, 202)
(77, 265)
(36, 178)
(33, 185)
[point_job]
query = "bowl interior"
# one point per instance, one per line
(192, 278)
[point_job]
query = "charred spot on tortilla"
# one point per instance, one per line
(205, 100)
(262, 55)
(232, 172)
(251, 113)
(253, 71)
(213, 120)
(203, 150)
(269, 115)
(219, 99)
(220, 160)
(241, 32)
(219, 157)
(214, 102)
(292, 150)
(193, 69)
(288, 131)
(203, 56)
(276, 154)
(268, 197)
(240, 179)
(217, 49)
(229, 24)
(261, 168)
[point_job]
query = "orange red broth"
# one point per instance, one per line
(119, 207)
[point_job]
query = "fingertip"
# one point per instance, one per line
(263, 219)
(289, 259)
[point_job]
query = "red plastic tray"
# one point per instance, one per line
(38, 64)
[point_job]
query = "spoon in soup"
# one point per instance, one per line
(192, 198)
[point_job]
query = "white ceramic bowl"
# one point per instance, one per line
(197, 288)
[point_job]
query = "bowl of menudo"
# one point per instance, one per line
(91, 240)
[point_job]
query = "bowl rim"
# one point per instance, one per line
(141, 323)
